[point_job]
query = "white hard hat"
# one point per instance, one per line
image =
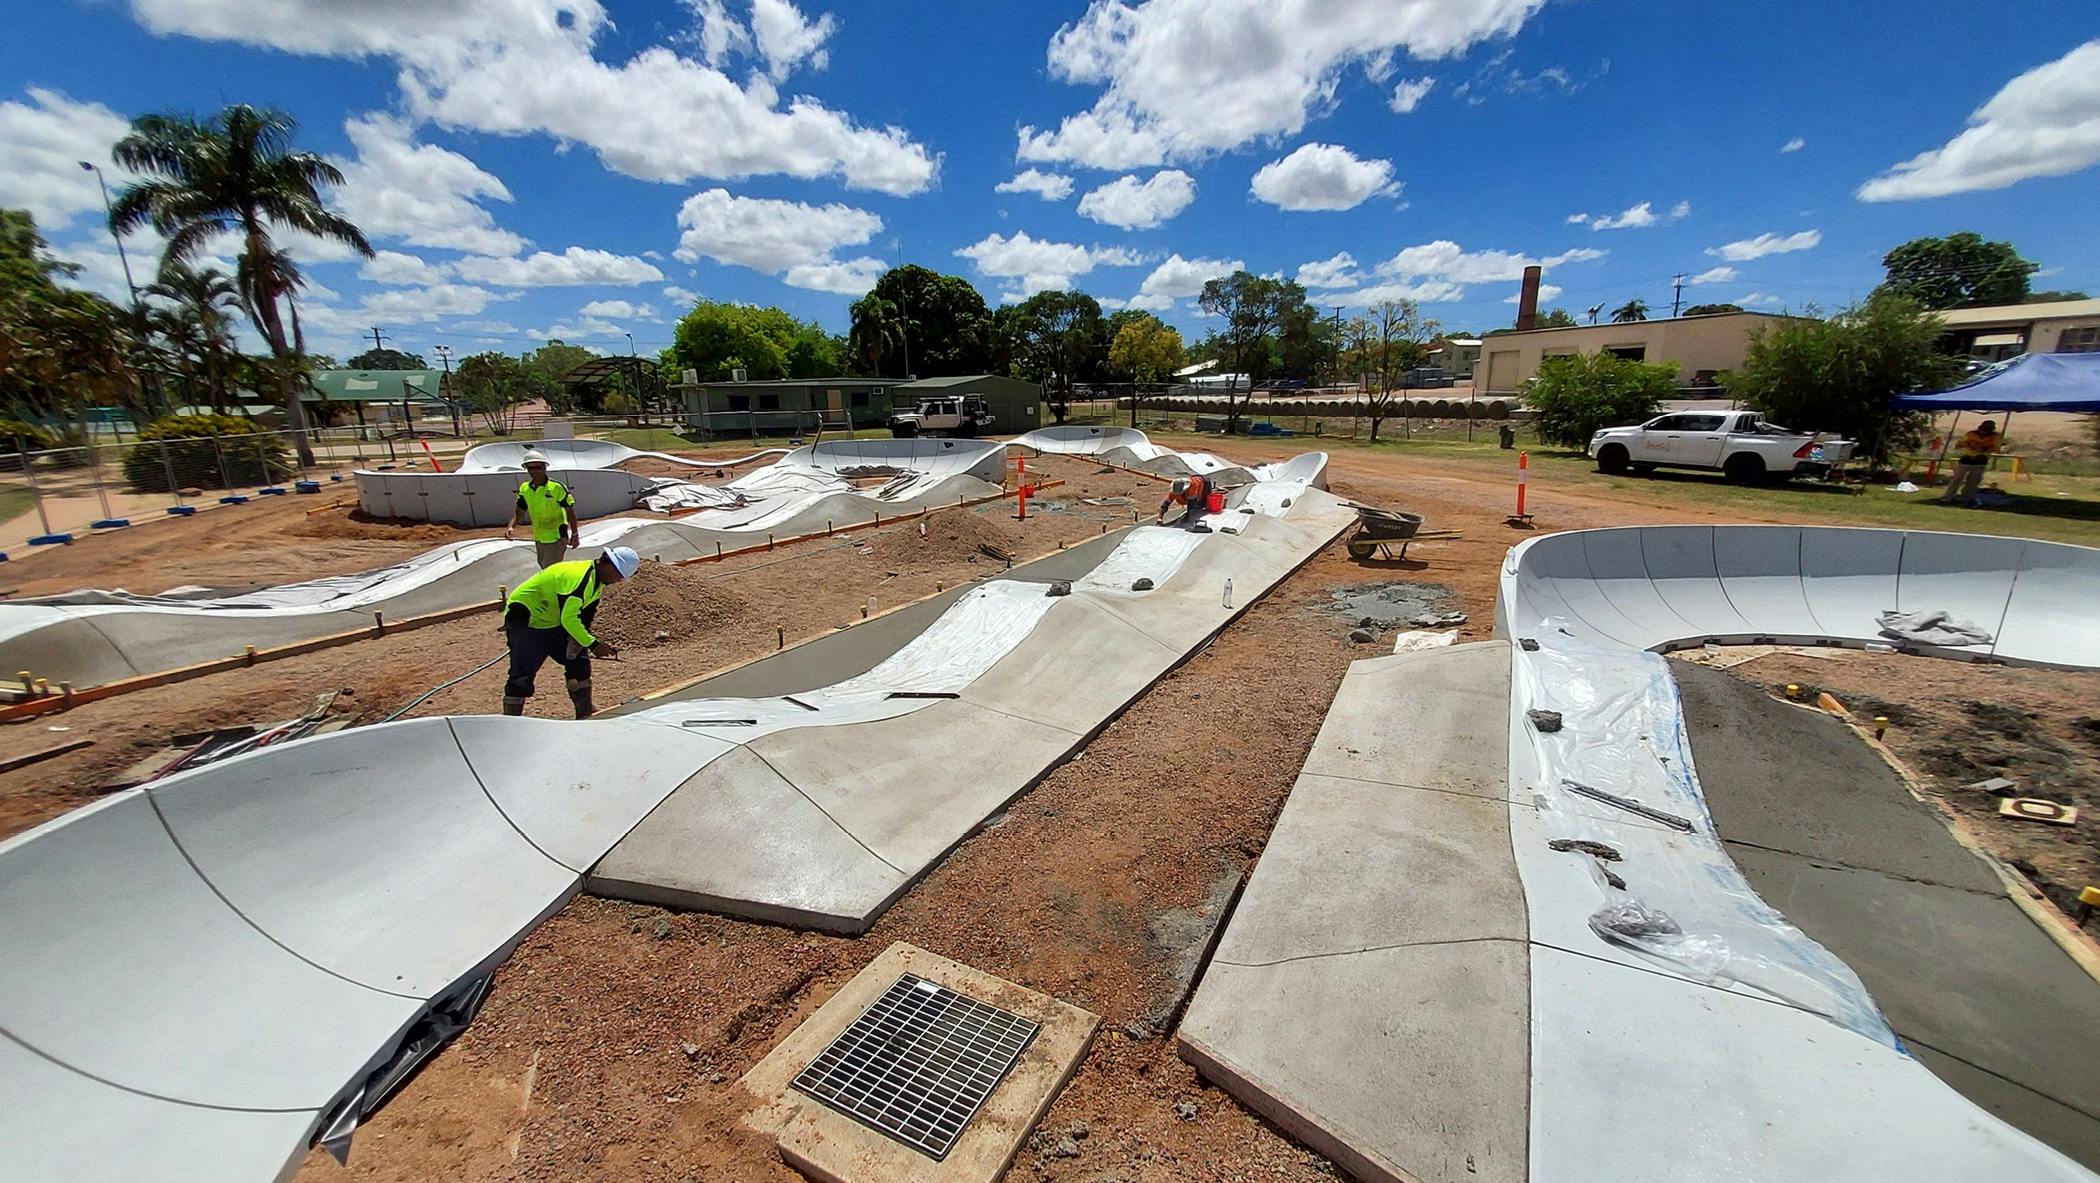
(534, 456)
(624, 560)
(1180, 485)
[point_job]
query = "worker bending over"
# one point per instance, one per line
(550, 615)
(1974, 457)
(548, 507)
(1192, 491)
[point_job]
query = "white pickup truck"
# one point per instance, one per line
(1738, 443)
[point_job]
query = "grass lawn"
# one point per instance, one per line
(2056, 507)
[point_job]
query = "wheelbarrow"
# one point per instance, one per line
(1378, 531)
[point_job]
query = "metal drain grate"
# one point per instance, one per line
(918, 1064)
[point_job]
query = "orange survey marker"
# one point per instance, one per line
(1520, 518)
(434, 466)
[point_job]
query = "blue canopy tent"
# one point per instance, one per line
(2029, 382)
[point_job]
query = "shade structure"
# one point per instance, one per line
(2030, 382)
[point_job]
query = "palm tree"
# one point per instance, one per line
(236, 173)
(1631, 310)
(196, 323)
(877, 333)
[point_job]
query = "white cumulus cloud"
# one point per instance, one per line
(1323, 177)
(682, 295)
(1180, 278)
(1183, 79)
(1714, 275)
(1140, 205)
(1633, 217)
(43, 142)
(1743, 250)
(1037, 265)
(421, 194)
(1793, 145)
(1547, 292)
(576, 265)
(1439, 272)
(1048, 186)
(1760, 300)
(556, 67)
(792, 239)
(2045, 123)
(1409, 94)
(1336, 271)
(619, 310)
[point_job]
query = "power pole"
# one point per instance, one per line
(1677, 300)
(377, 339)
(1338, 345)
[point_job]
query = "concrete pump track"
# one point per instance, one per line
(1517, 978)
(209, 973)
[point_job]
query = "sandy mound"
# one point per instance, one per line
(952, 535)
(679, 601)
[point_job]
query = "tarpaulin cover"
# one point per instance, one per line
(2029, 382)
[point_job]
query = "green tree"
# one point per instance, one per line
(1574, 395)
(1958, 271)
(193, 320)
(1253, 308)
(1400, 334)
(938, 322)
(235, 173)
(386, 359)
(1839, 374)
(718, 338)
(494, 386)
(1712, 309)
(60, 348)
(2053, 297)
(1060, 333)
(550, 364)
(1558, 318)
(1144, 349)
(1632, 310)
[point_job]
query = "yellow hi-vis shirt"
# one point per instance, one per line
(557, 596)
(548, 506)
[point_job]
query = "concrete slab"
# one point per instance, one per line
(1962, 972)
(143, 978)
(573, 789)
(739, 839)
(1353, 865)
(1780, 777)
(1452, 734)
(1075, 688)
(133, 1136)
(373, 853)
(910, 788)
(2071, 1131)
(829, 1146)
(1407, 1064)
(1617, 1050)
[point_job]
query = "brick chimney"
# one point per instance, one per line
(1528, 300)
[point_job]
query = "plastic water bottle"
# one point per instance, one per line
(1228, 591)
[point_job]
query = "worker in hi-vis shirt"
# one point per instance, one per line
(547, 506)
(550, 615)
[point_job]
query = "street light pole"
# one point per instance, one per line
(444, 353)
(109, 216)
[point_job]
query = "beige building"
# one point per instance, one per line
(2007, 330)
(1702, 346)
(1456, 356)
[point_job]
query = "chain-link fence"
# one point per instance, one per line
(54, 495)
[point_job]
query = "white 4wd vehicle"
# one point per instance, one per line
(1738, 443)
(964, 416)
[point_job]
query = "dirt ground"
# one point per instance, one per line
(611, 1045)
(710, 614)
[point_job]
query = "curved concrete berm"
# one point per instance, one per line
(202, 973)
(1127, 447)
(92, 637)
(483, 490)
(1676, 1026)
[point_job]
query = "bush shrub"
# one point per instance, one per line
(1577, 394)
(243, 455)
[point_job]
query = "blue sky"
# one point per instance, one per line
(584, 168)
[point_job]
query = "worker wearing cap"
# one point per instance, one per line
(1191, 491)
(548, 507)
(550, 615)
(1975, 452)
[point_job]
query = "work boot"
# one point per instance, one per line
(513, 706)
(580, 696)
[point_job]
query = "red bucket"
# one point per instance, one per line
(1215, 503)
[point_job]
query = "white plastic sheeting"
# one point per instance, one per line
(210, 964)
(1130, 448)
(1681, 998)
(571, 454)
